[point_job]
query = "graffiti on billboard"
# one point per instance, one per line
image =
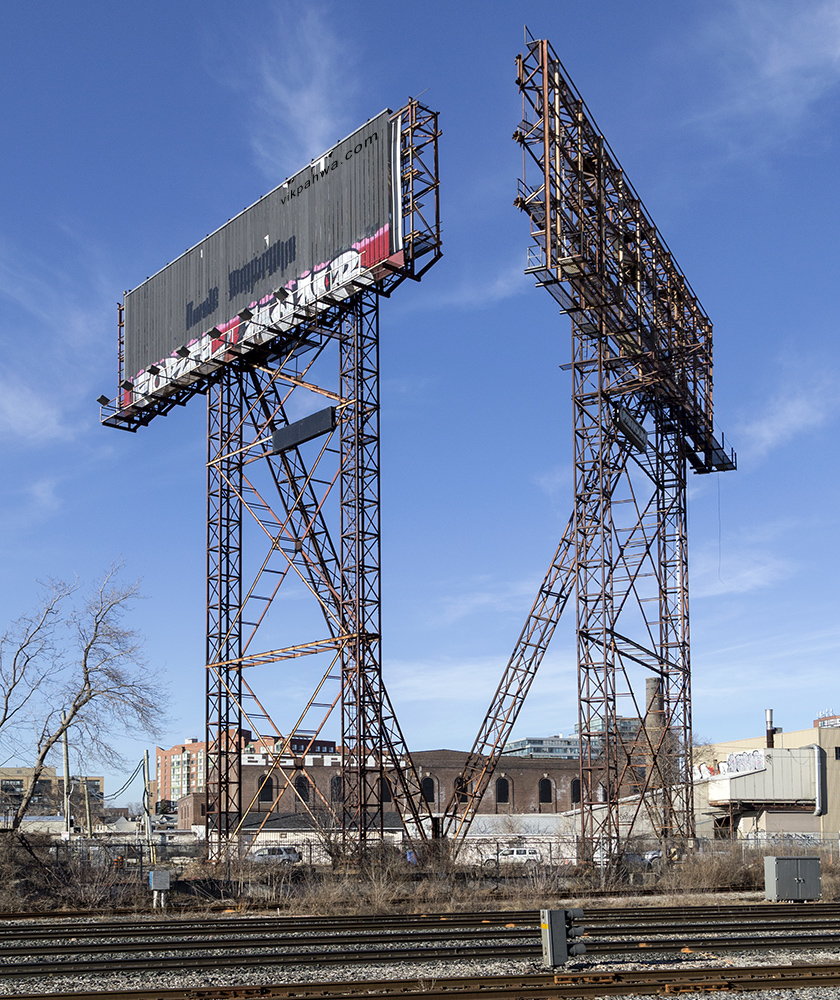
(271, 316)
(316, 234)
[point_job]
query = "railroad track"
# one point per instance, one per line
(538, 987)
(46, 949)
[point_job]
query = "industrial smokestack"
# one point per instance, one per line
(654, 727)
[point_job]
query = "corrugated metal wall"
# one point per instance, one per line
(332, 205)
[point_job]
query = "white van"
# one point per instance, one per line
(515, 856)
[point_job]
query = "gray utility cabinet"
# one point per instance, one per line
(792, 878)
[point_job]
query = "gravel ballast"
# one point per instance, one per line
(414, 972)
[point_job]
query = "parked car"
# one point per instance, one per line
(648, 861)
(515, 856)
(276, 855)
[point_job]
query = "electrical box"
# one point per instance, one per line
(158, 880)
(793, 879)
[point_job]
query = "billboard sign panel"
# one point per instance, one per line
(313, 240)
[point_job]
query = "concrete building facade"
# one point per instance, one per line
(558, 747)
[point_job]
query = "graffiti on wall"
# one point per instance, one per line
(742, 762)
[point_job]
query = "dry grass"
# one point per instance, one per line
(37, 874)
(729, 866)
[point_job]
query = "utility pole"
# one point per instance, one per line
(87, 807)
(147, 819)
(66, 779)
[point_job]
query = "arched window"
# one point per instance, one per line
(385, 791)
(575, 790)
(546, 792)
(267, 789)
(462, 789)
(302, 788)
(502, 791)
(335, 788)
(427, 787)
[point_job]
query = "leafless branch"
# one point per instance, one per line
(76, 664)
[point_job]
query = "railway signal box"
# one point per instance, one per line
(559, 931)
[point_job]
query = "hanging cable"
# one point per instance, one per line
(136, 771)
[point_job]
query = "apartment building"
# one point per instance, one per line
(179, 771)
(48, 798)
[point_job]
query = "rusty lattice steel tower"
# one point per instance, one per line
(298, 521)
(641, 366)
(293, 586)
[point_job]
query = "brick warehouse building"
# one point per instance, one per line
(519, 786)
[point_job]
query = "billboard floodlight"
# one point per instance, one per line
(281, 294)
(126, 384)
(153, 369)
(183, 352)
(245, 314)
(103, 400)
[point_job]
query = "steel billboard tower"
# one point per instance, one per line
(293, 501)
(642, 400)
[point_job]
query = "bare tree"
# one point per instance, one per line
(73, 663)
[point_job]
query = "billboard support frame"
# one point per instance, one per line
(244, 406)
(416, 127)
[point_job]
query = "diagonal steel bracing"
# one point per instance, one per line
(287, 500)
(268, 541)
(641, 362)
(642, 412)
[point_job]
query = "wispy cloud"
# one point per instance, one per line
(738, 570)
(306, 89)
(774, 645)
(43, 495)
(30, 284)
(26, 505)
(483, 595)
(804, 402)
(786, 669)
(442, 702)
(776, 60)
(557, 483)
(481, 289)
(63, 308)
(29, 415)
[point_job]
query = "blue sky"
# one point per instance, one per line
(131, 131)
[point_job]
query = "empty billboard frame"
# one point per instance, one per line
(350, 219)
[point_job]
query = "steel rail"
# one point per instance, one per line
(775, 909)
(282, 924)
(594, 983)
(112, 939)
(511, 934)
(814, 914)
(213, 941)
(428, 951)
(249, 960)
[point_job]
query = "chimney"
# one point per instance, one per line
(770, 730)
